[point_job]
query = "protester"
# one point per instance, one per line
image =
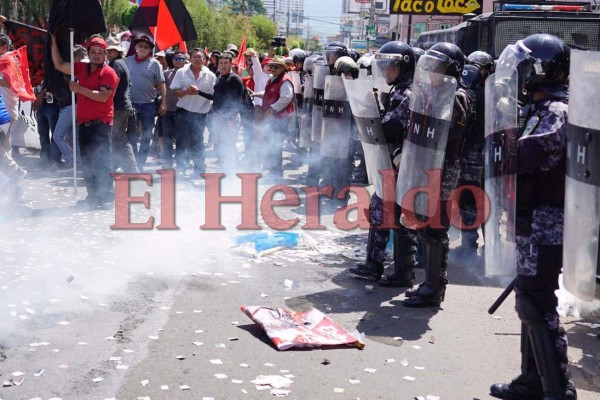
(46, 115)
(194, 85)
(96, 84)
(146, 75)
(226, 106)
(278, 109)
(123, 156)
(172, 136)
(11, 100)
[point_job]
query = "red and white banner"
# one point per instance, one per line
(288, 329)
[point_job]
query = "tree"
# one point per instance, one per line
(246, 7)
(264, 30)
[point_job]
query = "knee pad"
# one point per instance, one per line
(527, 311)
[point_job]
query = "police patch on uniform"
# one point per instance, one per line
(531, 125)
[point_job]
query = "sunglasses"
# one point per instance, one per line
(273, 66)
(178, 59)
(142, 46)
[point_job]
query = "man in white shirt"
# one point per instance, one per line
(194, 85)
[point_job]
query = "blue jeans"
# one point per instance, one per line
(63, 134)
(47, 117)
(145, 114)
(170, 136)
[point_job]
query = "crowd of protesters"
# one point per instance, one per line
(171, 104)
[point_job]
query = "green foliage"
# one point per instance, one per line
(216, 27)
(246, 7)
(264, 30)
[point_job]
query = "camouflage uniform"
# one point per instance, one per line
(472, 171)
(540, 213)
(435, 241)
(395, 122)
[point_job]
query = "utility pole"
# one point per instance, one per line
(307, 36)
(287, 25)
(371, 21)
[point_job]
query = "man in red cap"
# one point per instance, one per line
(95, 85)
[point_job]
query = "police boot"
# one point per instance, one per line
(370, 270)
(404, 261)
(544, 351)
(468, 243)
(431, 293)
(528, 385)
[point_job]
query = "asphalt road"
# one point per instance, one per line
(154, 312)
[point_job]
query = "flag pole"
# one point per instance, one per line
(73, 110)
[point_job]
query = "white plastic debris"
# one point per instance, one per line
(98, 379)
(164, 387)
(220, 376)
(216, 361)
(370, 370)
(409, 378)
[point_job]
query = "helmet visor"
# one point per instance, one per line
(386, 68)
(436, 63)
(331, 56)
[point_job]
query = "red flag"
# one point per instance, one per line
(241, 59)
(168, 21)
(15, 68)
(183, 46)
(33, 38)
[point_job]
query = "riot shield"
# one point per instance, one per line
(383, 89)
(320, 72)
(582, 198)
(366, 117)
(306, 115)
(501, 135)
(337, 119)
(363, 73)
(424, 148)
(296, 83)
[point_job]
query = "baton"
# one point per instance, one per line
(502, 297)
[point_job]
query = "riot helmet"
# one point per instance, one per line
(333, 51)
(345, 66)
(354, 55)
(396, 62)
(472, 77)
(547, 62)
(443, 58)
(308, 65)
(481, 59)
(365, 61)
(298, 55)
(418, 53)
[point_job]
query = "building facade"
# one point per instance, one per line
(288, 15)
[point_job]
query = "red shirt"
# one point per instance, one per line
(248, 81)
(88, 109)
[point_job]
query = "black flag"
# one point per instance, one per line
(86, 18)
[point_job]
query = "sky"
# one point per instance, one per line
(323, 10)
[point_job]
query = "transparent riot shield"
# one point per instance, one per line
(424, 148)
(582, 199)
(306, 115)
(366, 117)
(501, 135)
(319, 73)
(337, 119)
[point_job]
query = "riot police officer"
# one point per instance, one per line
(441, 63)
(474, 75)
(396, 62)
(333, 51)
(540, 193)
